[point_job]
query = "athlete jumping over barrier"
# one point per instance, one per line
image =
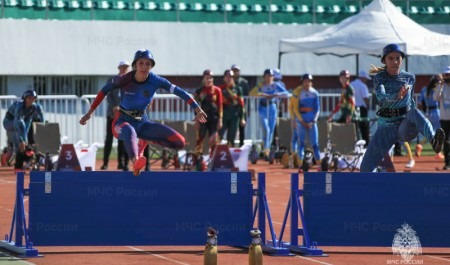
(137, 89)
(398, 117)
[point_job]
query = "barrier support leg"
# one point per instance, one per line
(19, 225)
(262, 210)
(295, 209)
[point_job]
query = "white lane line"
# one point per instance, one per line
(278, 223)
(15, 260)
(438, 258)
(313, 260)
(158, 256)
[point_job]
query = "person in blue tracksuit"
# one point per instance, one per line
(18, 121)
(305, 105)
(398, 117)
(430, 107)
(269, 93)
(132, 125)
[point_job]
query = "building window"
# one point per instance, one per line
(3, 90)
(40, 85)
(63, 85)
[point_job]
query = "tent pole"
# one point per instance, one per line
(357, 64)
(406, 63)
(279, 60)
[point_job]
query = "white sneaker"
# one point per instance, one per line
(410, 164)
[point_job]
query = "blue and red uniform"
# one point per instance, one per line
(132, 122)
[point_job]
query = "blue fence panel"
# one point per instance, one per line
(164, 208)
(366, 209)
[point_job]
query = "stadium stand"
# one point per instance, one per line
(216, 11)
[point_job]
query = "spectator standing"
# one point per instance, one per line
(113, 100)
(209, 97)
(347, 101)
(442, 95)
(430, 107)
(362, 104)
(305, 105)
(233, 108)
(278, 78)
(267, 110)
(243, 84)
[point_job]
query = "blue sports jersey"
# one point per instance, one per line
(273, 89)
(387, 88)
(308, 105)
(428, 99)
(138, 95)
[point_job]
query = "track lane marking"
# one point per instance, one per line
(439, 258)
(313, 260)
(156, 255)
(14, 259)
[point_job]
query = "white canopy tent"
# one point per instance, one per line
(379, 24)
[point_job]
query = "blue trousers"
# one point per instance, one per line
(435, 117)
(268, 116)
(20, 131)
(313, 134)
(388, 134)
(294, 141)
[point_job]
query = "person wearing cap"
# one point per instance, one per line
(209, 97)
(278, 77)
(243, 84)
(304, 107)
(347, 101)
(430, 108)
(269, 93)
(233, 108)
(17, 123)
(113, 100)
(132, 124)
(362, 104)
(398, 117)
(442, 94)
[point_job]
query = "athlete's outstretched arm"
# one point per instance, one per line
(113, 83)
(200, 115)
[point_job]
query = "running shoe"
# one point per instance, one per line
(410, 164)
(138, 165)
(438, 140)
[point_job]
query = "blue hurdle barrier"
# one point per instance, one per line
(262, 210)
(294, 210)
(156, 208)
(367, 209)
(163, 208)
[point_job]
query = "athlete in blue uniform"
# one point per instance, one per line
(270, 92)
(398, 117)
(137, 90)
(18, 120)
(305, 105)
(430, 107)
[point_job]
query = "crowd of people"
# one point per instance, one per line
(221, 112)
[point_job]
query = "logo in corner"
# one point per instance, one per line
(406, 243)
